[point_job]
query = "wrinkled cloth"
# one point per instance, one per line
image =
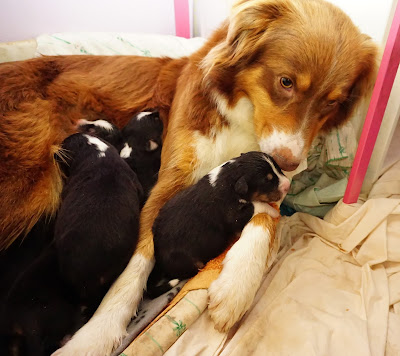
(108, 43)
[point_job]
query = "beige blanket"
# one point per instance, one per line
(335, 289)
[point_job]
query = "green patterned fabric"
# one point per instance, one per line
(98, 43)
(317, 189)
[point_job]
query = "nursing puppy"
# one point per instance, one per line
(197, 224)
(139, 143)
(97, 225)
(142, 143)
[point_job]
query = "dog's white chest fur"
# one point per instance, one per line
(222, 145)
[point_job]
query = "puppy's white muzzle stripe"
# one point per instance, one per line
(284, 182)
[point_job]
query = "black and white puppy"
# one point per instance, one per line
(97, 224)
(197, 224)
(139, 143)
(142, 143)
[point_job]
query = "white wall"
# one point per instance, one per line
(25, 19)
(370, 16)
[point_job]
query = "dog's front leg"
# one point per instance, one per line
(107, 327)
(232, 293)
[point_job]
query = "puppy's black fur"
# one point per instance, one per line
(197, 224)
(142, 139)
(139, 143)
(97, 225)
(36, 311)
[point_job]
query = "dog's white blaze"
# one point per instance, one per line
(126, 151)
(229, 300)
(101, 146)
(143, 114)
(100, 123)
(107, 327)
(280, 139)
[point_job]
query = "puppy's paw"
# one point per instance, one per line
(228, 302)
(96, 338)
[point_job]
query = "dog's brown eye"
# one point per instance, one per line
(286, 83)
(332, 102)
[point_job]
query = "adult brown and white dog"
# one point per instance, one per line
(272, 77)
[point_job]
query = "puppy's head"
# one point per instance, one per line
(142, 143)
(102, 129)
(262, 179)
(254, 176)
(143, 133)
(80, 148)
(303, 65)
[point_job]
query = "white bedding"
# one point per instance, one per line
(99, 43)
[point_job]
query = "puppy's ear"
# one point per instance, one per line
(151, 145)
(241, 186)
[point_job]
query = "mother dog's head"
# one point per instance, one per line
(302, 64)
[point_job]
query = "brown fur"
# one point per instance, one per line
(41, 99)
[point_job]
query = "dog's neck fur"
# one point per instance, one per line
(227, 128)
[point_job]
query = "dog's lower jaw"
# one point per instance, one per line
(245, 262)
(106, 329)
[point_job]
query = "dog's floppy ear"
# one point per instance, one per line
(361, 90)
(246, 31)
(241, 186)
(250, 19)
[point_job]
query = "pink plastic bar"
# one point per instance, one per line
(377, 106)
(182, 20)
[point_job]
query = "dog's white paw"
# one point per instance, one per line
(233, 292)
(96, 338)
(228, 302)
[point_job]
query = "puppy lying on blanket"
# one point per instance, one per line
(198, 223)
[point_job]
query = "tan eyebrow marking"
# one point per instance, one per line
(303, 81)
(335, 94)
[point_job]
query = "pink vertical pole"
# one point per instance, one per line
(377, 106)
(182, 20)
